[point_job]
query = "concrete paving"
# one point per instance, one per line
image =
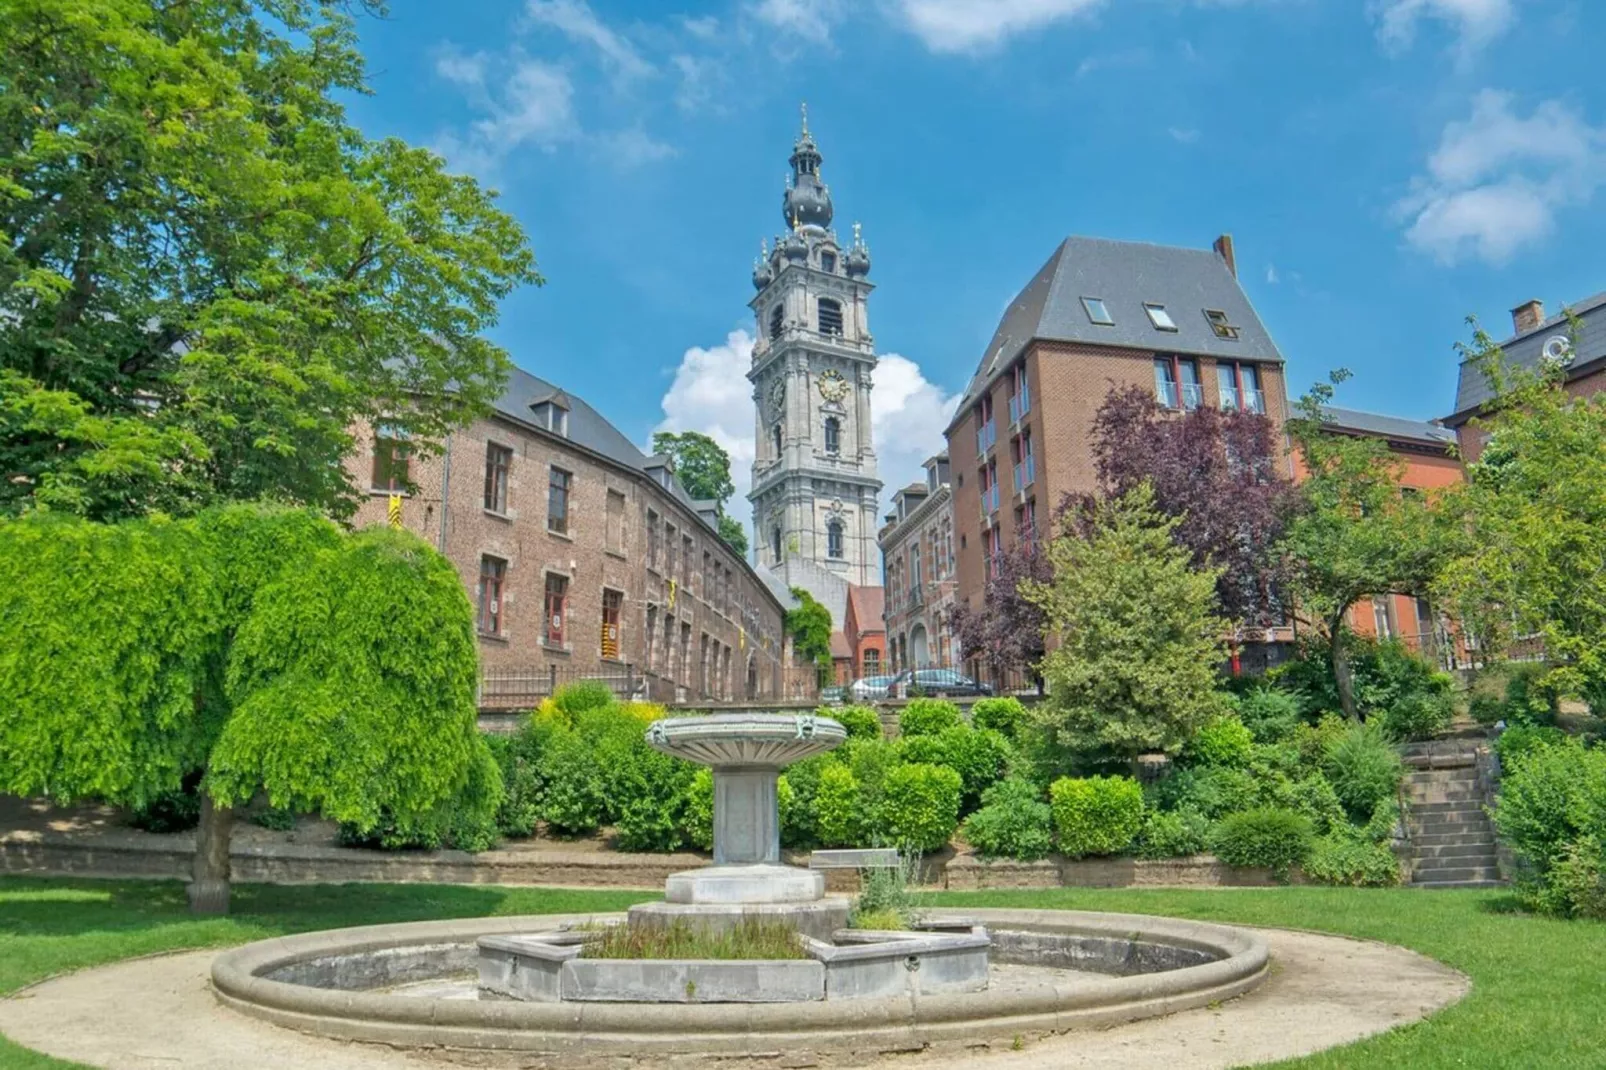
(1324, 991)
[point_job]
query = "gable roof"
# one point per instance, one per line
(1125, 275)
(1525, 351)
(867, 607)
(1393, 427)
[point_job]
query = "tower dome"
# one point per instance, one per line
(858, 259)
(807, 201)
(762, 274)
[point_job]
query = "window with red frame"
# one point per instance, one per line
(557, 608)
(493, 570)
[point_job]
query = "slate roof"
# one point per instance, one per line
(1394, 427)
(1525, 350)
(1125, 275)
(868, 606)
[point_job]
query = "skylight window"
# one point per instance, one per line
(1096, 311)
(1159, 317)
(1220, 324)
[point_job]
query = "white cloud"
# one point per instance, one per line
(1183, 135)
(711, 394)
(1103, 61)
(467, 71)
(968, 25)
(576, 19)
(1271, 274)
(1476, 22)
(1497, 179)
(812, 20)
(704, 28)
(632, 148)
(533, 107)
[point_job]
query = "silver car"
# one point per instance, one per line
(870, 688)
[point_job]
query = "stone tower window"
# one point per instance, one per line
(833, 435)
(828, 262)
(775, 543)
(830, 317)
(775, 440)
(833, 539)
(777, 314)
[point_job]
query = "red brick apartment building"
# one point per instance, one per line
(917, 551)
(583, 557)
(1099, 315)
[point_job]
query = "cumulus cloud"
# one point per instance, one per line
(811, 20)
(1498, 178)
(710, 393)
(964, 25)
(1476, 22)
(533, 106)
(575, 19)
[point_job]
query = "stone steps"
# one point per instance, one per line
(1455, 874)
(1484, 851)
(1452, 839)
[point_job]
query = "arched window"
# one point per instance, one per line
(775, 440)
(775, 543)
(833, 538)
(830, 316)
(777, 314)
(833, 435)
(828, 262)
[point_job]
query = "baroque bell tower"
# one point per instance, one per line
(815, 486)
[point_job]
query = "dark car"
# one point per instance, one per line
(942, 683)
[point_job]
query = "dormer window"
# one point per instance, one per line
(830, 317)
(553, 416)
(1097, 312)
(1159, 317)
(1220, 324)
(828, 262)
(777, 318)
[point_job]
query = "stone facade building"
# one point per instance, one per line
(583, 558)
(917, 549)
(1099, 315)
(815, 485)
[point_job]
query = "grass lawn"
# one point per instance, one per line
(1538, 1001)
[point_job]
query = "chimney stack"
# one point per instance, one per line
(1223, 248)
(1527, 316)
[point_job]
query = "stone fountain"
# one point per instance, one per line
(746, 752)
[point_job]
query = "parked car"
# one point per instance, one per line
(834, 695)
(870, 688)
(944, 683)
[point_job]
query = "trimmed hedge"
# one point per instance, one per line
(1004, 715)
(1096, 815)
(928, 717)
(918, 808)
(1224, 742)
(1267, 837)
(861, 721)
(1013, 822)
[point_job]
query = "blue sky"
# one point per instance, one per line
(1386, 168)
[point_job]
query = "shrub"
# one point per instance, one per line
(571, 700)
(1384, 672)
(1349, 860)
(928, 717)
(871, 761)
(1096, 815)
(647, 791)
(1528, 700)
(918, 808)
(1554, 796)
(1223, 741)
(1270, 715)
(1312, 741)
(1213, 792)
(1267, 837)
(1577, 885)
(1363, 768)
(520, 809)
(171, 811)
(1005, 715)
(798, 827)
(1516, 743)
(1173, 834)
(698, 811)
(1013, 822)
(1315, 797)
(886, 897)
(861, 721)
(572, 799)
(275, 819)
(979, 756)
(838, 808)
(1419, 715)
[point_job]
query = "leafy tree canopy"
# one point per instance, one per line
(704, 469)
(1006, 632)
(809, 625)
(208, 274)
(1220, 474)
(1139, 641)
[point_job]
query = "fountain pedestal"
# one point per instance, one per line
(747, 752)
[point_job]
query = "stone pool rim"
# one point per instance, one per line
(878, 1024)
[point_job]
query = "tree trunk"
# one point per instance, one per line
(209, 888)
(1342, 674)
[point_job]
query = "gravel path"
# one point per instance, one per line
(1324, 991)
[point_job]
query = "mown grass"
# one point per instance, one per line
(1538, 998)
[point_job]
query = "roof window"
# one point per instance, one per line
(1220, 324)
(1094, 306)
(1159, 317)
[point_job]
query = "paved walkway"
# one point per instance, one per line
(1324, 991)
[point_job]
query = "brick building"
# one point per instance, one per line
(917, 552)
(583, 557)
(1099, 315)
(864, 634)
(1535, 339)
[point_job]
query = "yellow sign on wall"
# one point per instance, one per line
(393, 511)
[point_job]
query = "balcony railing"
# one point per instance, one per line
(1233, 400)
(986, 435)
(1025, 473)
(1019, 405)
(989, 499)
(1166, 394)
(1192, 396)
(1254, 401)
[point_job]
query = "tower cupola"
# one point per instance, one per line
(807, 201)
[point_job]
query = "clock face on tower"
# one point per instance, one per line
(778, 397)
(832, 386)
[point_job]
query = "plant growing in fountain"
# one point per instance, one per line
(887, 899)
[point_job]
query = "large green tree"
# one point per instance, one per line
(1139, 639)
(208, 276)
(261, 648)
(809, 625)
(704, 469)
(1355, 532)
(1534, 511)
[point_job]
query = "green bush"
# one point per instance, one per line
(1270, 715)
(918, 807)
(171, 811)
(861, 721)
(928, 717)
(1224, 741)
(1173, 834)
(1267, 837)
(839, 808)
(1343, 859)
(871, 761)
(1316, 798)
(572, 797)
(521, 799)
(1384, 673)
(275, 819)
(1419, 715)
(1005, 715)
(1528, 700)
(1312, 741)
(979, 756)
(571, 700)
(798, 828)
(1363, 768)
(1213, 791)
(1096, 815)
(1577, 885)
(1515, 743)
(698, 812)
(1013, 822)
(1551, 799)
(647, 792)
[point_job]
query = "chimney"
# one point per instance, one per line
(1526, 317)
(1223, 248)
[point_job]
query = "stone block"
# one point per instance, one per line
(744, 884)
(692, 981)
(818, 919)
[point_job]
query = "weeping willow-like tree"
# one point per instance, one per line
(263, 649)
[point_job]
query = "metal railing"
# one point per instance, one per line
(514, 689)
